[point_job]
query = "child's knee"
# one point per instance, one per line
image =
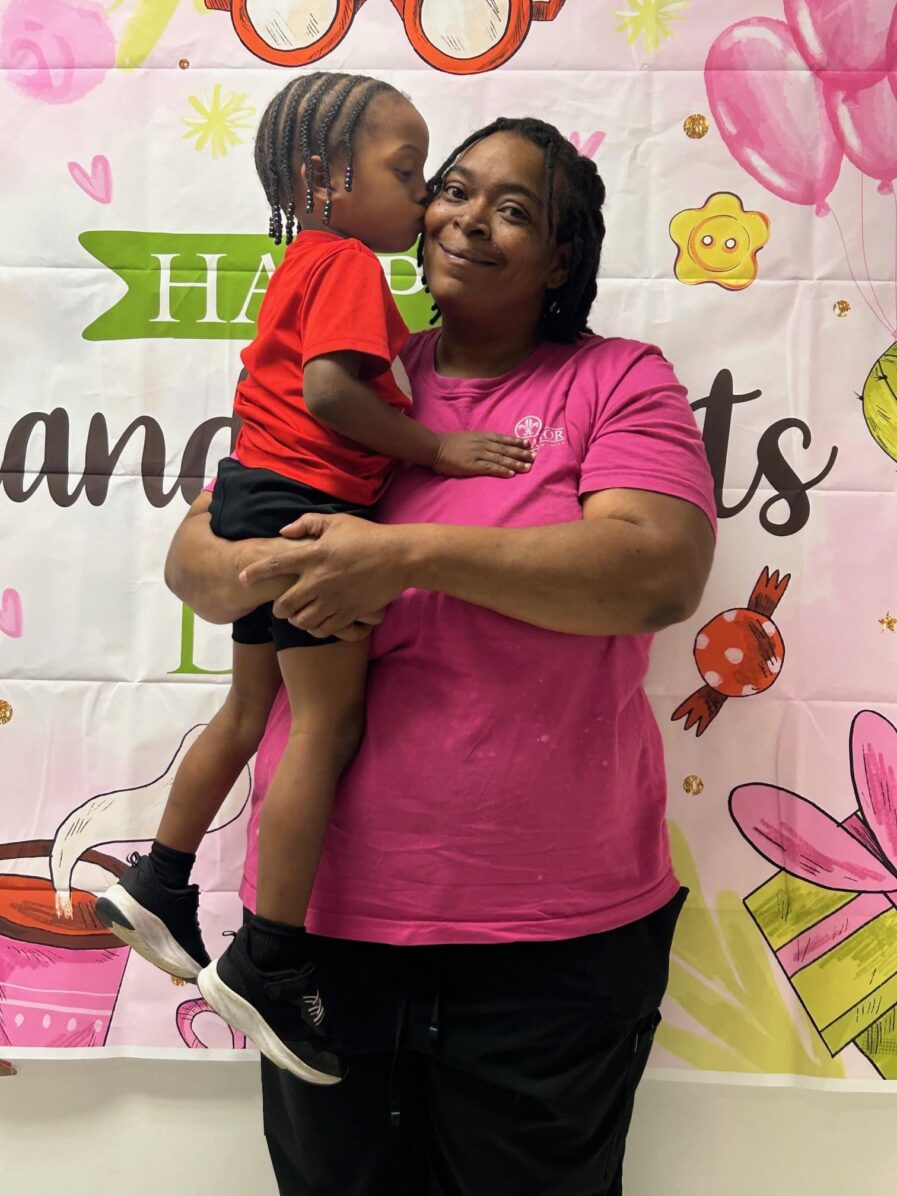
(338, 730)
(246, 719)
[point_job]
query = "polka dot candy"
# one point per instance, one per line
(739, 653)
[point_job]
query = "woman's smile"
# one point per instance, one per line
(462, 257)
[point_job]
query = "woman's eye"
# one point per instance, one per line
(452, 190)
(514, 212)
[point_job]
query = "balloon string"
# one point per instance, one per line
(863, 244)
(860, 291)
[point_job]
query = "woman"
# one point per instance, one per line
(495, 905)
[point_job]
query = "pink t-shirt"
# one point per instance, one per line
(511, 780)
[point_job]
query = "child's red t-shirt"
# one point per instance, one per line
(329, 294)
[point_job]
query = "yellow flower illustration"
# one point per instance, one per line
(219, 120)
(652, 20)
(719, 242)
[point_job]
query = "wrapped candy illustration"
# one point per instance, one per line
(739, 653)
(830, 911)
(462, 37)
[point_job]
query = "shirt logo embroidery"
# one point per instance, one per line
(531, 428)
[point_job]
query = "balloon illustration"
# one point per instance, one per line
(865, 124)
(771, 113)
(880, 402)
(844, 43)
(738, 654)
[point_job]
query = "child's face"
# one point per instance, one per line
(385, 208)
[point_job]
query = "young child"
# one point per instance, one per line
(323, 418)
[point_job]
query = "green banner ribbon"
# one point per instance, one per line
(208, 286)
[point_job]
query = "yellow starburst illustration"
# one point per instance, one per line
(219, 120)
(650, 20)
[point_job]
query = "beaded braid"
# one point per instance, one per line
(574, 218)
(305, 151)
(326, 125)
(294, 94)
(352, 120)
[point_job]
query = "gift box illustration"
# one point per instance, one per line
(830, 913)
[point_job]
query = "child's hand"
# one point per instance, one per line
(475, 454)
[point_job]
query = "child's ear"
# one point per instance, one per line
(559, 270)
(318, 180)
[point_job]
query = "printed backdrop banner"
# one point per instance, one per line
(749, 151)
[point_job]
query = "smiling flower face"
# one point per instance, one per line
(719, 242)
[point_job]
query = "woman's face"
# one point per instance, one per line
(487, 251)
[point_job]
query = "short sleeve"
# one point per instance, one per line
(644, 435)
(347, 306)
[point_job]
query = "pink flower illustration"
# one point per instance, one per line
(54, 50)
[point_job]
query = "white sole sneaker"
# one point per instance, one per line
(242, 1016)
(145, 933)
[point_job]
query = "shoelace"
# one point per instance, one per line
(315, 1007)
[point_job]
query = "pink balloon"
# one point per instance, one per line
(770, 111)
(845, 41)
(865, 124)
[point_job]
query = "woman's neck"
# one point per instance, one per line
(474, 351)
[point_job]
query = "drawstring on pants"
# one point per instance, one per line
(395, 1111)
(434, 1017)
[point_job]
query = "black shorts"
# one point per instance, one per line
(258, 502)
(483, 1070)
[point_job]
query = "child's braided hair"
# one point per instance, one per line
(318, 113)
(574, 217)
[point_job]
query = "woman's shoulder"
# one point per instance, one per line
(609, 355)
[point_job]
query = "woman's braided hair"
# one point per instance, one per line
(318, 113)
(574, 196)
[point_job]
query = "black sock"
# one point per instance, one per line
(274, 946)
(171, 867)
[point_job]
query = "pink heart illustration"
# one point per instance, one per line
(11, 614)
(593, 141)
(97, 184)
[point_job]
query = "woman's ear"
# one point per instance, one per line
(559, 268)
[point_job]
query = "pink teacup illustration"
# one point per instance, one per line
(59, 977)
(186, 1014)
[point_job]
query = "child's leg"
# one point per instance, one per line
(325, 685)
(214, 762)
(152, 907)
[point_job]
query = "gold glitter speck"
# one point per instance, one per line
(693, 785)
(888, 623)
(178, 981)
(841, 307)
(184, 63)
(696, 126)
(5, 713)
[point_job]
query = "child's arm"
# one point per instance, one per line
(336, 394)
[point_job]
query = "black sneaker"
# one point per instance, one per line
(281, 1012)
(159, 923)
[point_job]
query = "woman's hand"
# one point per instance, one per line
(346, 568)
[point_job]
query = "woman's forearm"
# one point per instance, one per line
(595, 577)
(203, 570)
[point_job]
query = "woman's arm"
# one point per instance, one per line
(636, 562)
(203, 570)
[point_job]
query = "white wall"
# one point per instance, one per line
(159, 1128)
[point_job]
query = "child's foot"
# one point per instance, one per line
(280, 1011)
(159, 923)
